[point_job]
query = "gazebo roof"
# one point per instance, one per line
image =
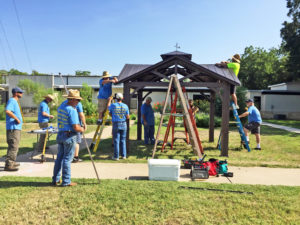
(185, 67)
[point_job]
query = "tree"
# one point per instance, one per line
(16, 72)
(82, 73)
(261, 68)
(34, 72)
(290, 34)
(86, 93)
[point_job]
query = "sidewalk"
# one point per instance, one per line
(132, 171)
(290, 129)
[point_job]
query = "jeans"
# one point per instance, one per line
(119, 136)
(149, 134)
(66, 147)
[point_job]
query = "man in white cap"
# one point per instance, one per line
(254, 122)
(105, 92)
(235, 66)
(148, 121)
(14, 122)
(68, 126)
(43, 118)
(119, 113)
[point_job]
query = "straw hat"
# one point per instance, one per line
(237, 58)
(49, 96)
(119, 96)
(105, 74)
(73, 94)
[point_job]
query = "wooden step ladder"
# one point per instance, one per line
(187, 116)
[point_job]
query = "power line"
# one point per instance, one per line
(4, 54)
(8, 46)
(22, 34)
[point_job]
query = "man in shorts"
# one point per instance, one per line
(105, 92)
(254, 122)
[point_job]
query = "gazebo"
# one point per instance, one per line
(206, 79)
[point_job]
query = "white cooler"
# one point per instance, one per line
(164, 169)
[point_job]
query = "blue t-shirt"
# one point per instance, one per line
(13, 106)
(79, 108)
(43, 108)
(118, 111)
(254, 115)
(67, 116)
(147, 111)
(105, 89)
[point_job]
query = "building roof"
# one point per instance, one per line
(170, 54)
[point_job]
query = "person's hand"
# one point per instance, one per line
(51, 117)
(18, 121)
(84, 127)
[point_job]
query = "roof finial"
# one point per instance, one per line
(177, 46)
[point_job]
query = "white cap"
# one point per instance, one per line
(119, 96)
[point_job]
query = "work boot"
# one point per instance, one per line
(11, 168)
(16, 164)
(70, 184)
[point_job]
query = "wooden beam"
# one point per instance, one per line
(188, 76)
(212, 116)
(225, 119)
(166, 84)
(139, 114)
(147, 95)
(135, 91)
(160, 75)
(126, 94)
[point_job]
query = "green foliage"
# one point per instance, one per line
(16, 72)
(202, 120)
(34, 72)
(132, 116)
(291, 38)
(82, 73)
(260, 68)
(2, 112)
(89, 107)
(203, 105)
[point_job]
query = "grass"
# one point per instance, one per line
(33, 201)
(280, 149)
(28, 141)
(288, 123)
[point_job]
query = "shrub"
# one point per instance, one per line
(132, 116)
(2, 112)
(202, 120)
(89, 107)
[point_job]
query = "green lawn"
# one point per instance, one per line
(288, 123)
(33, 201)
(280, 149)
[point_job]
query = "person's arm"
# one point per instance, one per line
(82, 118)
(78, 128)
(47, 115)
(144, 119)
(12, 115)
(244, 114)
(114, 80)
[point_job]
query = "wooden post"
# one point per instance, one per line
(225, 119)
(212, 116)
(126, 93)
(139, 124)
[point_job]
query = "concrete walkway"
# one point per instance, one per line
(290, 129)
(242, 175)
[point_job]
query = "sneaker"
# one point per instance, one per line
(99, 122)
(237, 107)
(124, 157)
(257, 148)
(116, 159)
(56, 183)
(11, 168)
(76, 160)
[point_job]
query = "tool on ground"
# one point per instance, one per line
(44, 148)
(187, 115)
(87, 146)
(212, 189)
(239, 125)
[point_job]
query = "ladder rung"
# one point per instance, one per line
(174, 114)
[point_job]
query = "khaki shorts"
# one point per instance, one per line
(102, 105)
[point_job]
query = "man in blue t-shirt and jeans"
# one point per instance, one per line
(148, 121)
(105, 92)
(14, 123)
(254, 122)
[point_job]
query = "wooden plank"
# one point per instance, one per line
(212, 116)
(139, 115)
(126, 94)
(166, 84)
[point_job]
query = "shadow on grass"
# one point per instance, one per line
(10, 184)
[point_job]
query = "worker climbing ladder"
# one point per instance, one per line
(187, 116)
(239, 125)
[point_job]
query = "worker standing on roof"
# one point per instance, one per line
(235, 66)
(105, 92)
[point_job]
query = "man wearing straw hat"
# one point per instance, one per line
(14, 123)
(43, 118)
(235, 66)
(68, 126)
(105, 92)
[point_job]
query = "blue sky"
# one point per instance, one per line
(96, 35)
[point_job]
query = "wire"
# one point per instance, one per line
(8, 46)
(22, 34)
(4, 55)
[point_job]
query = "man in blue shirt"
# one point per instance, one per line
(119, 113)
(254, 122)
(105, 92)
(68, 126)
(14, 123)
(43, 118)
(148, 121)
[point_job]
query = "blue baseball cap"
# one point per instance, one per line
(249, 100)
(17, 90)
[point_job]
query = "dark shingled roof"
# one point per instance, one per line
(170, 54)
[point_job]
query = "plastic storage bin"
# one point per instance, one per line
(164, 169)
